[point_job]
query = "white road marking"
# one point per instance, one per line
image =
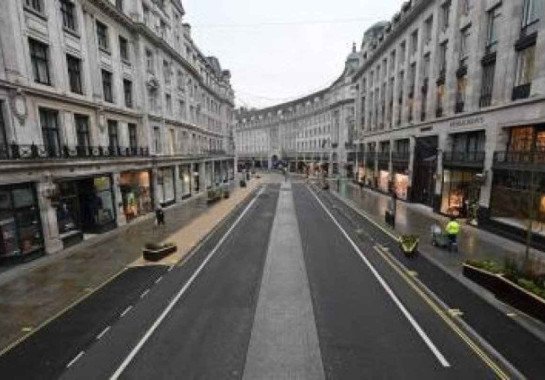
(75, 359)
(125, 311)
(103, 332)
(182, 291)
(158, 280)
(145, 293)
(388, 290)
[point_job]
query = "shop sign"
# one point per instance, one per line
(469, 121)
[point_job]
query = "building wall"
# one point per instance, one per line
(314, 128)
(194, 126)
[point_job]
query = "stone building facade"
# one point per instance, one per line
(450, 109)
(107, 110)
(310, 132)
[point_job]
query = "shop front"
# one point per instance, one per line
(460, 190)
(384, 181)
(196, 177)
(185, 180)
(165, 186)
(84, 206)
(401, 185)
(20, 227)
(136, 193)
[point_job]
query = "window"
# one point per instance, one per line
(157, 139)
(181, 80)
(113, 134)
(445, 15)
(146, 15)
(531, 12)
(428, 29)
(133, 136)
(466, 6)
(440, 99)
(124, 49)
(525, 66)
(162, 29)
(68, 15)
(82, 131)
(74, 74)
(443, 59)
(414, 42)
(166, 72)
(461, 84)
(426, 67)
(464, 38)
(50, 132)
(35, 5)
(487, 84)
(119, 5)
(40, 61)
(102, 36)
(182, 109)
(127, 90)
(107, 86)
(149, 61)
(491, 30)
(168, 101)
(403, 50)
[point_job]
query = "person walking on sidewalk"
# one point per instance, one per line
(159, 216)
(453, 230)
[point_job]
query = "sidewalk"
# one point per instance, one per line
(53, 284)
(474, 243)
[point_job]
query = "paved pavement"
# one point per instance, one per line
(30, 295)
(417, 219)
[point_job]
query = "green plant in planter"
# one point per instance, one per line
(409, 243)
(487, 265)
(226, 194)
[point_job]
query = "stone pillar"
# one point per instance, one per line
(155, 187)
(48, 216)
(121, 220)
(442, 145)
(178, 193)
(412, 153)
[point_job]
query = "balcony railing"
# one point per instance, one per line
(383, 156)
(521, 92)
(471, 158)
(485, 100)
(519, 158)
(40, 152)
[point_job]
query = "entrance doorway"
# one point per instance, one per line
(425, 167)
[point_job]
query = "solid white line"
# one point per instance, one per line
(103, 332)
(145, 293)
(175, 300)
(388, 290)
(75, 359)
(126, 311)
(158, 280)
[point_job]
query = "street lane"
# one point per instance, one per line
(362, 332)
(206, 333)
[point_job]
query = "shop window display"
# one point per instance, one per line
(135, 193)
(165, 182)
(20, 228)
(459, 191)
(384, 181)
(401, 185)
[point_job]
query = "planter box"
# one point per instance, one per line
(159, 253)
(507, 291)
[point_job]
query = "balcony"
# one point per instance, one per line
(522, 160)
(40, 152)
(521, 92)
(465, 159)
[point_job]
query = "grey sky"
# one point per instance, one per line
(279, 50)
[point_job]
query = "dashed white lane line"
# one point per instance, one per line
(145, 293)
(125, 311)
(76, 358)
(186, 286)
(158, 280)
(387, 288)
(99, 336)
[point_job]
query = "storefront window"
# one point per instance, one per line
(165, 181)
(20, 228)
(185, 179)
(135, 193)
(104, 206)
(459, 191)
(521, 139)
(68, 208)
(383, 181)
(401, 185)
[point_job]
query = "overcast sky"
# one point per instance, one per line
(282, 49)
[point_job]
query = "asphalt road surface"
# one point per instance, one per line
(291, 286)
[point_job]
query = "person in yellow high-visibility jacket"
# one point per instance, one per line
(453, 230)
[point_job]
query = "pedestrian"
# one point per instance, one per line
(453, 230)
(159, 216)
